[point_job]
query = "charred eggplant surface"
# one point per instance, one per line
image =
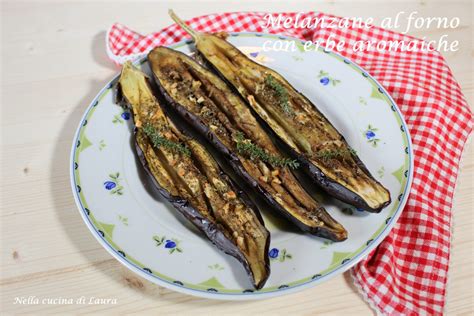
(307, 134)
(187, 176)
(207, 103)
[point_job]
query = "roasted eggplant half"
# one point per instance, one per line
(303, 130)
(187, 176)
(207, 103)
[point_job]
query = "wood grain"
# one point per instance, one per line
(53, 64)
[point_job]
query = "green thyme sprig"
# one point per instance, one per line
(327, 155)
(158, 141)
(246, 147)
(280, 93)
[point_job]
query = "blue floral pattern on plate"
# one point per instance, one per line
(371, 136)
(325, 79)
(125, 116)
(280, 255)
(171, 244)
(273, 253)
(113, 184)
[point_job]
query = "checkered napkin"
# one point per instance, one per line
(407, 272)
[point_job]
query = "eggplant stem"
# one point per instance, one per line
(187, 28)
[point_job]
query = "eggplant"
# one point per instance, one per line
(303, 130)
(205, 101)
(188, 177)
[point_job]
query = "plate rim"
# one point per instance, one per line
(252, 295)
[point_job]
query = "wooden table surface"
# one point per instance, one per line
(53, 64)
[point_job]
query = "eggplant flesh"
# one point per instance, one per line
(208, 104)
(307, 134)
(187, 176)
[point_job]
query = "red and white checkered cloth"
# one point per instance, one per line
(407, 272)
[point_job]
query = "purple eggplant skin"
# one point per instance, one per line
(310, 170)
(332, 187)
(184, 207)
(237, 167)
(301, 128)
(211, 230)
(235, 163)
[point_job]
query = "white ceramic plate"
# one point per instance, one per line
(149, 237)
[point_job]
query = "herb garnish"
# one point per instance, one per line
(327, 155)
(246, 147)
(159, 141)
(280, 93)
